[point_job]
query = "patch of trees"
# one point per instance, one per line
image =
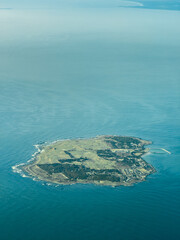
(123, 142)
(107, 154)
(74, 172)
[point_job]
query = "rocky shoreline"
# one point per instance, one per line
(103, 160)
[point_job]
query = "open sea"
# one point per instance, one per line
(79, 73)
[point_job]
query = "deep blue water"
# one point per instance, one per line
(82, 73)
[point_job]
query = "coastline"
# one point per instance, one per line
(25, 171)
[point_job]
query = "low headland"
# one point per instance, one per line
(103, 160)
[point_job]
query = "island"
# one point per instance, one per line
(103, 160)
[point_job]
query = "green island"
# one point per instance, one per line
(103, 160)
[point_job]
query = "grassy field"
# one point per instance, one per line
(109, 160)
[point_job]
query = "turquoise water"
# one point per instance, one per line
(149, 4)
(82, 73)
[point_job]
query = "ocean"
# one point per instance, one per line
(79, 73)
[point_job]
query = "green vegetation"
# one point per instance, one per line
(107, 160)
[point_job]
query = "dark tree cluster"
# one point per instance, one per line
(107, 154)
(123, 142)
(74, 172)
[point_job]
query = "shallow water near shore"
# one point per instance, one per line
(110, 72)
